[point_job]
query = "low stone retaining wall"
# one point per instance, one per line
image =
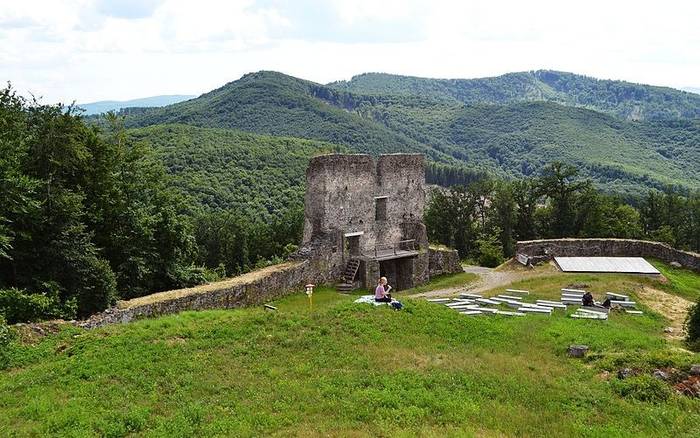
(539, 250)
(252, 288)
(443, 261)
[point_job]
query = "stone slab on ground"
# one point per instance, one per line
(518, 291)
(539, 310)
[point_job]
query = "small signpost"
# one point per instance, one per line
(310, 293)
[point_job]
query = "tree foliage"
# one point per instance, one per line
(489, 214)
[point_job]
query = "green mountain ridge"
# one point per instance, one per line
(509, 140)
(624, 99)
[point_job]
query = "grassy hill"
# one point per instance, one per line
(349, 369)
(223, 169)
(624, 99)
(509, 140)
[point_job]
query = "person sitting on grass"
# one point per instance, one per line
(381, 293)
(587, 299)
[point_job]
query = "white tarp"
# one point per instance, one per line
(627, 265)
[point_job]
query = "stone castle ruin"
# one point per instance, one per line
(364, 219)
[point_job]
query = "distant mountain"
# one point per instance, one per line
(145, 102)
(692, 90)
(511, 139)
(624, 99)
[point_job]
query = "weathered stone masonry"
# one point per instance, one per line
(540, 250)
(364, 219)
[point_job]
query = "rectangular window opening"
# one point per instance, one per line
(380, 209)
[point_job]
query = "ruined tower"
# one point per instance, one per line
(364, 219)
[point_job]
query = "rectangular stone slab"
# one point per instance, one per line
(595, 310)
(518, 291)
(552, 305)
(634, 312)
(470, 313)
(510, 297)
(624, 303)
(589, 316)
(617, 297)
(505, 313)
(487, 310)
(558, 303)
(535, 310)
(486, 301)
(573, 291)
(466, 295)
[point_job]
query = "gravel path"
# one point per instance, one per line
(488, 279)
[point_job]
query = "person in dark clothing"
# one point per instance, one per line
(588, 299)
(607, 303)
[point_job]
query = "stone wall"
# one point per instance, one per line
(256, 287)
(443, 261)
(537, 250)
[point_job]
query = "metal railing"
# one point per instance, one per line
(395, 249)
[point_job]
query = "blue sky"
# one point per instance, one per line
(88, 50)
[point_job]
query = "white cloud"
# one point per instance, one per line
(94, 49)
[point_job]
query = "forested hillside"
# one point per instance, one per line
(509, 140)
(624, 99)
(223, 169)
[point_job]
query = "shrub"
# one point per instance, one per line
(490, 251)
(692, 326)
(643, 388)
(21, 306)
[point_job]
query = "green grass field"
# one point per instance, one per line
(351, 370)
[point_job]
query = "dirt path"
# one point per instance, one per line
(672, 307)
(488, 279)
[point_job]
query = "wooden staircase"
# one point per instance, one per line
(348, 276)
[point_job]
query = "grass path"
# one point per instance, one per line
(673, 307)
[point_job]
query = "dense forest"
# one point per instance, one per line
(91, 215)
(623, 99)
(484, 218)
(512, 140)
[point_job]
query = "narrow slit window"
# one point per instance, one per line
(380, 209)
